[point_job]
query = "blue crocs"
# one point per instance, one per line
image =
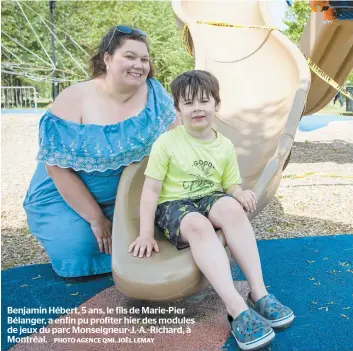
(250, 330)
(276, 314)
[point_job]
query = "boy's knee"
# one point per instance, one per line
(195, 224)
(230, 208)
(234, 208)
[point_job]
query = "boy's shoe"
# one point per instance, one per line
(276, 314)
(250, 330)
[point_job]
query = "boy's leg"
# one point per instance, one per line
(229, 215)
(341, 100)
(211, 258)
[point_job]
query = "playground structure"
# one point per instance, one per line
(18, 97)
(329, 43)
(265, 90)
(333, 10)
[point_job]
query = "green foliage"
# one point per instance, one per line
(87, 22)
(296, 18)
(349, 80)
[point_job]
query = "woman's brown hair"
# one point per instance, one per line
(109, 43)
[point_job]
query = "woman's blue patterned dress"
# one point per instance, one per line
(98, 155)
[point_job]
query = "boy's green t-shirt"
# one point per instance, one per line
(192, 168)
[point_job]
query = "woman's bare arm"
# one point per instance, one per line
(68, 103)
(69, 185)
(75, 193)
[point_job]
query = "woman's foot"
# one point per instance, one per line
(250, 330)
(276, 314)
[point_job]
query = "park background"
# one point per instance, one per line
(28, 38)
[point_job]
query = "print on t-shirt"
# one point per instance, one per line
(203, 170)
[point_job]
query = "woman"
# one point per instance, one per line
(93, 130)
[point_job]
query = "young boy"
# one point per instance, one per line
(193, 186)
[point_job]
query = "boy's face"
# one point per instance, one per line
(197, 114)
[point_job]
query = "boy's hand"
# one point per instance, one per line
(142, 245)
(247, 199)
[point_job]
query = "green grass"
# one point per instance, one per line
(334, 110)
(44, 100)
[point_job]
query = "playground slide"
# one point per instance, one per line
(330, 46)
(264, 81)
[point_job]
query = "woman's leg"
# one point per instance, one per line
(68, 240)
(229, 215)
(211, 258)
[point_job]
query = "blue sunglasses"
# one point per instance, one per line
(126, 30)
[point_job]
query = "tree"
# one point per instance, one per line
(86, 22)
(296, 18)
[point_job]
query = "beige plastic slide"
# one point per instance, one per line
(264, 81)
(330, 46)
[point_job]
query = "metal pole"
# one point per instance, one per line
(35, 98)
(54, 84)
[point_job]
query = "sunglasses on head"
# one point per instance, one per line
(126, 30)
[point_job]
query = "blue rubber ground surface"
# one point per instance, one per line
(309, 275)
(312, 122)
(312, 275)
(39, 286)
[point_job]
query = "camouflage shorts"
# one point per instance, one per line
(170, 214)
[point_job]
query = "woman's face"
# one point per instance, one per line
(130, 63)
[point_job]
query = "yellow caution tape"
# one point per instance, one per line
(292, 176)
(313, 67)
(185, 38)
(319, 72)
(334, 176)
(298, 175)
(221, 24)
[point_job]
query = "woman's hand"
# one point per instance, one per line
(102, 230)
(247, 199)
(142, 245)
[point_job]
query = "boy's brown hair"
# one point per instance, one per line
(188, 84)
